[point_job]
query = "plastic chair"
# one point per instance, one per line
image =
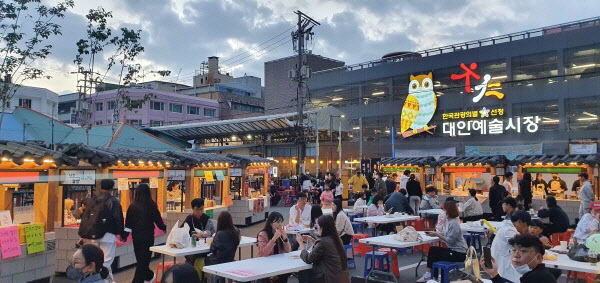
(160, 267)
(358, 247)
(395, 268)
(380, 261)
(350, 260)
(445, 268)
(357, 227)
(556, 238)
(474, 240)
(371, 231)
(419, 225)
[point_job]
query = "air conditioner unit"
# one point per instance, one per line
(292, 74)
(85, 106)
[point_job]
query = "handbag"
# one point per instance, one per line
(408, 234)
(458, 276)
(472, 263)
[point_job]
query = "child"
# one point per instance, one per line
(588, 224)
(536, 228)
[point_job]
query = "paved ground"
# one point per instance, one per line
(407, 263)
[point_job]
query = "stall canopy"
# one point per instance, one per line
(112, 156)
(566, 159)
(21, 152)
(199, 159)
(251, 159)
(492, 160)
(408, 161)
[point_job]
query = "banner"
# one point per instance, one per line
(34, 236)
(9, 241)
(435, 152)
(510, 151)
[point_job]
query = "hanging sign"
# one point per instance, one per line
(209, 176)
(79, 177)
(154, 183)
(235, 172)
(176, 175)
(34, 237)
(9, 241)
(5, 219)
(123, 184)
(219, 175)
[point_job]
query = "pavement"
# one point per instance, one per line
(407, 263)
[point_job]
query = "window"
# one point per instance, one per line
(193, 110)
(134, 122)
(174, 123)
(582, 60)
(8, 104)
(582, 113)
(98, 122)
(209, 112)
(25, 102)
(529, 69)
(546, 110)
(158, 106)
(136, 104)
(176, 108)
(248, 108)
(111, 105)
(156, 123)
(99, 106)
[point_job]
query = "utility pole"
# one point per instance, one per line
(83, 113)
(302, 71)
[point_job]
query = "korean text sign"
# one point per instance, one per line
(9, 241)
(34, 237)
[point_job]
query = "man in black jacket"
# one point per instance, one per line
(527, 256)
(497, 194)
(559, 220)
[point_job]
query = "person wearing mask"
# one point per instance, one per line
(559, 220)
(452, 236)
(509, 206)
(200, 225)
(413, 188)
(586, 194)
(526, 257)
(588, 225)
(380, 186)
(181, 273)
(517, 223)
(472, 209)
(328, 258)
(142, 214)
(390, 183)
(430, 200)
(376, 209)
(539, 185)
(342, 222)
(300, 212)
(327, 196)
(315, 213)
(556, 186)
(497, 194)
(104, 235)
(525, 189)
(397, 202)
(356, 182)
(339, 189)
(225, 242)
(508, 183)
(404, 180)
(272, 239)
(87, 265)
(360, 201)
(536, 228)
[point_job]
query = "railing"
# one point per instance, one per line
(472, 44)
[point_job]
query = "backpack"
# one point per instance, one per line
(95, 220)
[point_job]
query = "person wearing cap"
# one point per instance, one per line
(559, 220)
(588, 225)
(515, 224)
(536, 228)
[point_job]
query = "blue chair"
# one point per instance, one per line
(371, 231)
(371, 262)
(350, 259)
(445, 268)
(404, 251)
(474, 239)
(357, 227)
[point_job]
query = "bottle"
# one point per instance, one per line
(571, 243)
(193, 240)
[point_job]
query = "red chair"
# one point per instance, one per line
(419, 224)
(160, 267)
(556, 238)
(358, 247)
(395, 268)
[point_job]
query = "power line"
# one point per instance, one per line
(255, 56)
(256, 48)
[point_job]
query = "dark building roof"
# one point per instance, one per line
(492, 160)
(419, 161)
(248, 159)
(19, 151)
(589, 159)
(110, 156)
(196, 159)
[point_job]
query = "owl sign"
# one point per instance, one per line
(419, 106)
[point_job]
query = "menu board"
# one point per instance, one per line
(235, 172)
(153, 183)
(227, 201)
(123, 184)
(79, 177)
(5, 219)
(9, 241)
(176, 175)
(34, 237)
(209, 176)
(219, 175)
(24, 214)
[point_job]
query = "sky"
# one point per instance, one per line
(180, 34)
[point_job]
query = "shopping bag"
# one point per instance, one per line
(408, 234)
(472, 263)
(179, 238)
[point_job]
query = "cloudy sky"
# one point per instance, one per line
(180, 34)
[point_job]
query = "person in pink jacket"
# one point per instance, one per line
(327, 197)
(272, 239)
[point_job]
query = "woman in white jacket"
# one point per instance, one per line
(588, 225)
(342, 222)
(471, 209)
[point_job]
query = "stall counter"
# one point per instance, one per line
(173, 216)
(30, 267)
(245, 213)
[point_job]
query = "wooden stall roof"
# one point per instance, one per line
(418, 161)
(492, 160)
(197, 159)
(111, 156)
(19, 151)
(249, 159)
(549, 159)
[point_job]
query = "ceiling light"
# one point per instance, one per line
(499, 77)
(587, 119)
(590, 114)
(337, 99)
(356, 128)
(378, 93)
(583, 66)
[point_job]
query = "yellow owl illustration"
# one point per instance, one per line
(420, 104)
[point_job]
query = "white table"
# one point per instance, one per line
(565, 263)
(477, 228)
(200, 248)
(435, 211)
(389, 241)
(327, 211)
(259, 268)
(302, 230)
(384, 219)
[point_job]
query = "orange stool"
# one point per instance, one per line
(395, 268)
(556, 238)
(358, 247)
(429, 226)
(159, 267)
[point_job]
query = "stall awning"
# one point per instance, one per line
(492, 160)
(553, 160)
(111, 156)
(197, 159)
(20, 152)
(405, 161)
(249, 159)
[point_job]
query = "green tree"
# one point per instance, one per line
(25, 26)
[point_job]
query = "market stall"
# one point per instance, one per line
(28, 209)
(422, 167)
(251, 201)
(557, 175)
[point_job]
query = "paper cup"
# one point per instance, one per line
(209, 241)
(563, 244)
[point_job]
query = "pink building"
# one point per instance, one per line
(164, 108)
